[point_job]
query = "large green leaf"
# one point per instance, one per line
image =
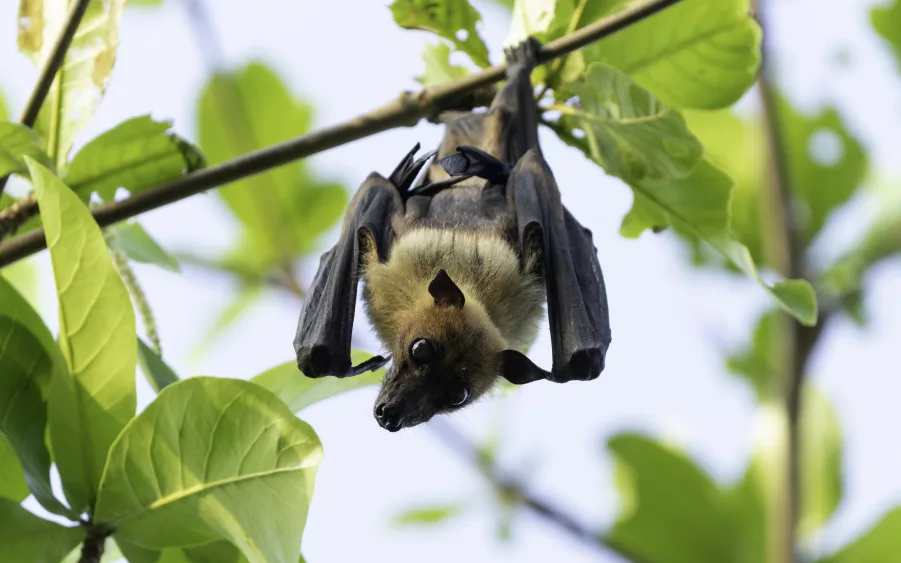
(136, 154)
(29, 359)
(83, 77)
(299, 392)
(881, 544)
(16, 141)
(454, 20)
(675, 513)
(95, 398)
(438, 68)
(25, 537)
(133, 241)
(12, 479)
(821, 461)
(157, 372)
(887, 23)
(284, 210)
(696, 54)
(212, 459)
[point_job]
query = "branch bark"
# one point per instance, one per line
(51, 67)
(406, 110)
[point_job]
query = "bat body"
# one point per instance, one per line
(457, 269)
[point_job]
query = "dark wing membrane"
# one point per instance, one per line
(322, 342)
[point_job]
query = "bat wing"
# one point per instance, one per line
(576, 296)
(322, 343)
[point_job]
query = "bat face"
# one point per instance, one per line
(445, 357)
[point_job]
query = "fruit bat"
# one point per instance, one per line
(457, 268)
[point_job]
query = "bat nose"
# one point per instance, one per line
(390, 417)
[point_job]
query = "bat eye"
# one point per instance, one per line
(423, 351)
(458, 396)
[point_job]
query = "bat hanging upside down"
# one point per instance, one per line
(457, 268)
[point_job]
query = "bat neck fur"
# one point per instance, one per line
(481, 263)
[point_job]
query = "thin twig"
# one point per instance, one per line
(51, 67)
(406, 110)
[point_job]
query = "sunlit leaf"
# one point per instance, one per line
(887, 23)
(212, 459)
(428, 515)
(880, 544)
(12, 479)
(454, 20)
(92, 401)
(16, 141)
(26, 537)
(136, 154)
(133, 241)
(299, 392)
(84, 75)
(158, 374)
(438, 68)
(695, 54)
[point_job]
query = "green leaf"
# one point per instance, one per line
(881, 544)
(454, 20)
(12, 479)
(551, 19)
(234, 309)
(16, 141)
(760, 362)
(158, 374)
(285, 210)
(438, 68)
(95, 398)
(887, 23)
(299, 392)
(84, 75)
(4, 114)
(428, 515)
(111, 553)
(28, 359)
(696, 54)
(133, 241)
(679, 514)
(136, 154)
(25, 537)
(212, 459)
(821, 461)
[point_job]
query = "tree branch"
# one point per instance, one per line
(406, 110)
(51, 67)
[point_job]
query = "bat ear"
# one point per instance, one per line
(445, 291)
(518, 369)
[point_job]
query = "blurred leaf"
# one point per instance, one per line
(27, 538)
(234, 309)
(887, 23)
(679, 515)
(696, 54)
(881, 544)
(508, 4)
(12, 479)
(158, 374)
(4, 113)
(821, 462)
(285, 210)
(750, 512)
(211, 459)
(23, 276)
(760, 362)
(28, 359)
(299, 392)
(133, 241)
(92, 401)
(454, 20)
(84, 75)
(143, 3)
(826, 164)
(136, 154)
(428, 515)
(438, 68)
(17, 141)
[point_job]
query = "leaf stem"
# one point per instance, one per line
(406, 110)
(51, 67)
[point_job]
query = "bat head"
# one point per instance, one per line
(445, 356)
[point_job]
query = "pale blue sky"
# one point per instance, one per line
(670, 323)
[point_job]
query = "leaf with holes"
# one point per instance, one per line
(299, 392)
(696, 54)
(133, 241)
(136, 154)
(157, 372)
(91, 402)
(438, 68)
(887, 23)
(26, 537)
(212, 459)
(16, 141)
(83, 77)
(29, 359)
(454, 20)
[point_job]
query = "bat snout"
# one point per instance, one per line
(389, 416)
